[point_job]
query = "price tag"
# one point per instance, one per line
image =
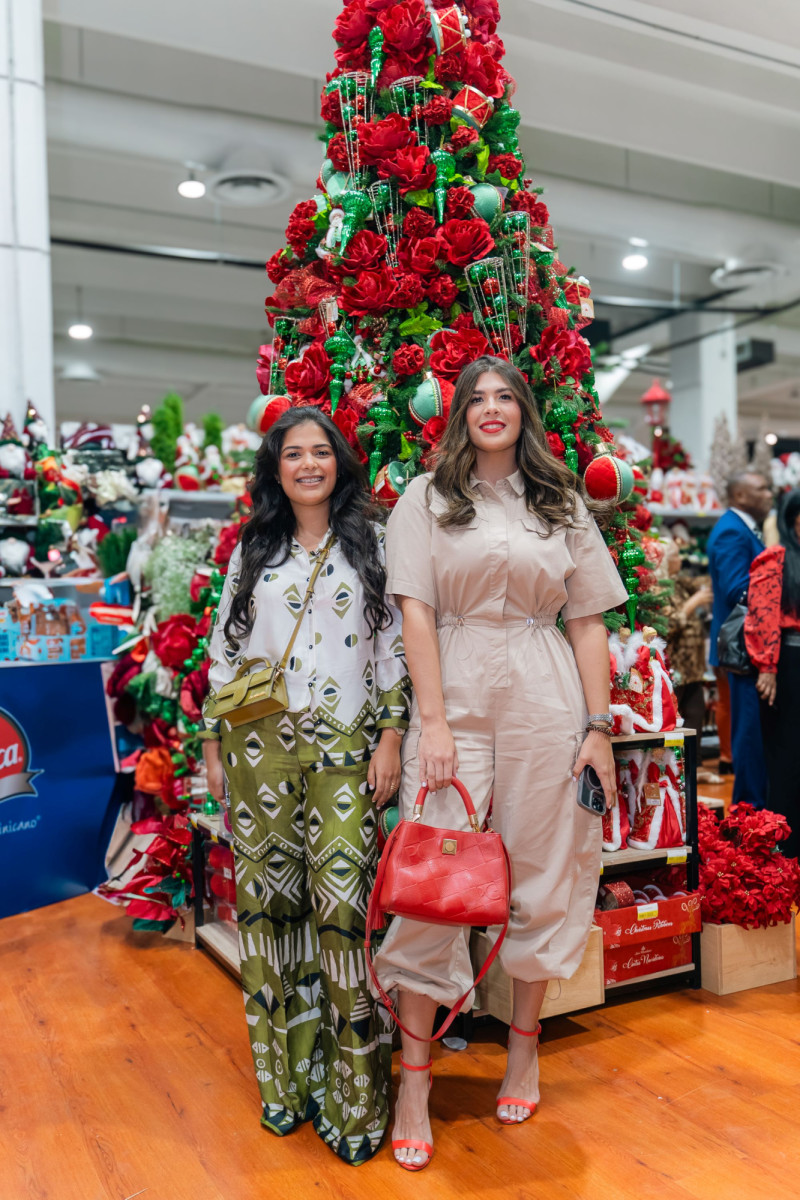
(674, 740)
(676, 856)
(601, 868)
(646, 912)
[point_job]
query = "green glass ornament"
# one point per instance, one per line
(357, 209)
(445, 170)
(339, 346)
(376, 53)
(488, 202)
(631, 556)
(210, 806)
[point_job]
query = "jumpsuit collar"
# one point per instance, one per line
(514, 481)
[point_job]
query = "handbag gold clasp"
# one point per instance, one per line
(475, 823)
(449, 846)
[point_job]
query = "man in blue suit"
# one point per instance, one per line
(734, 542)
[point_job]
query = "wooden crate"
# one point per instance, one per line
(735, 959)
(584, 990)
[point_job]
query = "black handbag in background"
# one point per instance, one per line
(731, 648)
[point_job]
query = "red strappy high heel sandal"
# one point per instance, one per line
(505, 1101)
(414, 1143)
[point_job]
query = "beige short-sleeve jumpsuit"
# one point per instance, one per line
(514, 703)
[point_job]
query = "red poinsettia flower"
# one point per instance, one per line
(452, 350)
(308, 378)
(412, 167)
(418, 223)
(407, 292)
(406, 27)
(408, 359)
(507, 164)
(530, 202)
(419, 255)
(174, 640)
(562, 352)
(460, 203)
(463, 138)
(226, 545)
(465, 241)
(382, 139)
(366, 251)
(442, 290)
(369, 294)
(337, 152)
(437, 111)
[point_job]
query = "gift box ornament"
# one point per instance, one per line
(471, 106)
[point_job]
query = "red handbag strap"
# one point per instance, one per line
(419, 803)
(376, 921)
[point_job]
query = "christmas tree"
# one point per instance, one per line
(424, 247)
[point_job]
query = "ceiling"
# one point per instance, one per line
(639, 118)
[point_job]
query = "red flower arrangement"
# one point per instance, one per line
(366, 251)
(337, 152)
(418, 223)
(382, 139)
(174, 640)
(465, 241)
(744, 879)
(406, 28)
(408, 359)
(454, 349)
(301, 226)
(407, 292)
(278, 267)
(369, 294)
(462, 138)
(419, 256)
(529, 202)
(460, 203)
(411, 166)
(443, 291)
(569, 350)
(308, 378)
(507, 164)
(437, 111)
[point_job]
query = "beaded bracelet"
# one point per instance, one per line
(604, 729)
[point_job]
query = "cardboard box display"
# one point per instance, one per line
(622, 964)
(650, 921)
(584, 990)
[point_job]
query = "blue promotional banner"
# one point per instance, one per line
(56, 783)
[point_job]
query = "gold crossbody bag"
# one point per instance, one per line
(251, 695)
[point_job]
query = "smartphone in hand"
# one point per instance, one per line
(590, 792)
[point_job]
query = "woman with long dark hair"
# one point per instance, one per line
(482, 556)
(772, 636)
(306, 783)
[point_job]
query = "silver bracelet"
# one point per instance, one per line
(605, 717)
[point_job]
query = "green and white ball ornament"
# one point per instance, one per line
(488, 202)
(333, 181)
(431, 399)
(608, 478)
(265, 410)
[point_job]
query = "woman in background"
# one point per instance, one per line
(772, 636)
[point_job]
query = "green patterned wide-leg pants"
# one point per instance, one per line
(305, 849)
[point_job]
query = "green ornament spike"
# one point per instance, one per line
(631, 556)
(445, 170)
(339, 346)
(376, 53)
(357, 208)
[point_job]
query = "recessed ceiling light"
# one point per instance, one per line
(771, 439)
(192, 189)
(640, 242)
(634, 262)
(80, 331)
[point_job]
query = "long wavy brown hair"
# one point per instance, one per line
(550, 486)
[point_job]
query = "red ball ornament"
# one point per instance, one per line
(265, 410)
(639, 482)
(608, 478)
(187, 478)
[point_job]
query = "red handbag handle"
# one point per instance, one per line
(375, 920)
(419, 803)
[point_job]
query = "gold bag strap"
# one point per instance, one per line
(323, 554)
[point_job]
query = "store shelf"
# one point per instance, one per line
(213, 826)
(221, 940)
(684, 970)
(685, 514)
(616, 858)
(675, 736)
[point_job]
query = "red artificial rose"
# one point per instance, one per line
(465, 241)
(308, 378)
(418, 223)
(412, 167)
(507, 164)
(585, 454)
(419, 255)
(399, 66)
(277, 267)
(433, 429)
(337, 152)
(463, 139)
(464, 320)
(366, 251)
(460, 202)
(226, 544)
(455, 349)
(449, 67)
(407, 292)
(437, 111)
(483, 10)
(530, 202)
(125, 670)
(301, 227)
(442, 290)
(193, 692)
(568, 348)
(482, 70)
(174, 640)
(556, 445)
(408, 359)
(405, 26)
(353, 60)
(346, 421)
(352, 26)
(381, 140)
(369, 294)
(330, 108)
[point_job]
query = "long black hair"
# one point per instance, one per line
(266, 539)
(787, 515)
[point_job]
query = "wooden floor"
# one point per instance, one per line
(125, 1071)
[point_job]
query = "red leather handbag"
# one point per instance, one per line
(442, 877)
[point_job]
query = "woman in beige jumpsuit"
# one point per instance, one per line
(500, 699)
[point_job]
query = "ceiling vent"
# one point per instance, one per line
(247, 180)
(735, 275)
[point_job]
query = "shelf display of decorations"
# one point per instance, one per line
(647, 928)
(748, 891)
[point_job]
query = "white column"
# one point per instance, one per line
(26, 322)
(703, 380)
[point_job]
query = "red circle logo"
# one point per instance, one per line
(15, 756)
